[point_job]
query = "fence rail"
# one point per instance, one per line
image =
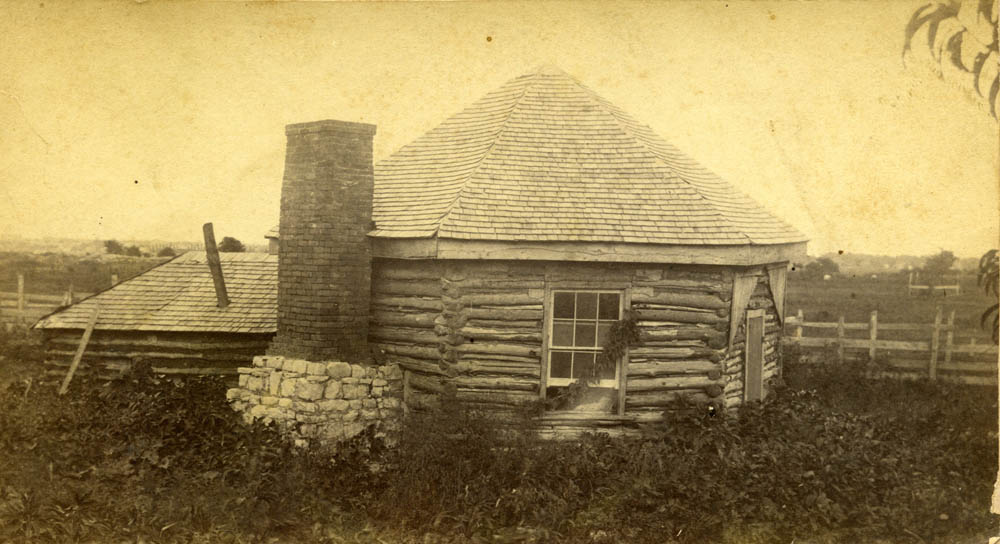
(19, 306)
(940, 353)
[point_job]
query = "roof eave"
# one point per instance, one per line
(725, 255)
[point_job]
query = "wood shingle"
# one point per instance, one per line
(544, 158)
(179, 296)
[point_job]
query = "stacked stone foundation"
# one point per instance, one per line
(320, 403)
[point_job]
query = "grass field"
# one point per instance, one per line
(856, 297)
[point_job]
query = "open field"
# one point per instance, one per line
(856, 297)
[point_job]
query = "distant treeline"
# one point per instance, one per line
(53, 273)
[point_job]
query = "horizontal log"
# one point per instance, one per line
(680, 316)
(669, 368)
(504, 314)
(406, 270)
(512, 398)
(689, 299)
(493, 368)
(395, 302)
(109, 339)
(666, 384)
(150, 355)
(529, 324)
(557, 417)
(496, 383)
(403, 319)
(505, 299)
(499, 349)
(476, 334)
(678, 333)
(158, 351)
(663, 398)
(417, 352)
(498, 284)
(420, 365)
(404, 334)
(423, 288)
(647, 352)
(186, 366)
(500, 358)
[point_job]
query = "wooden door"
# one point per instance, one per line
(753, 384)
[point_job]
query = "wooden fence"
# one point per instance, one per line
(943, 357)
(19, 306)
(912, 287)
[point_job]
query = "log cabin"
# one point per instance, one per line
(169, 317)
(495, 257)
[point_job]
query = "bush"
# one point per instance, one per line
(836, 459)
(147, 458)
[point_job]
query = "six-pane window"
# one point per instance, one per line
(580, 323)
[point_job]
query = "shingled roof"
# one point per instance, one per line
(543, 158)
(179, 296)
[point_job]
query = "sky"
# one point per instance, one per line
(146, 120)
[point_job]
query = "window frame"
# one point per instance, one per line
(550, 381)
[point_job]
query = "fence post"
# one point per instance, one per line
(872, 334)
(114, 279)
(949, 337)
(798, 324)
(840, 339)
(20, 292)
(935, 344)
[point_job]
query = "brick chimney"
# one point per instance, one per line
(324, 259)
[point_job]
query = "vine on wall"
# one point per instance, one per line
(622, 335)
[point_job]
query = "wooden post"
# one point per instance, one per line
(215, 265)
(114, 279)
(935, 344)
(872, 334)
(70, 295)
(798, 323)
(840, 339)
(79, 350)
(20, 292)
(949, 337)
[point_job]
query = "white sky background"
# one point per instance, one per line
(807, 107)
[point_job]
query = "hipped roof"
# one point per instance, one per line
(179, 296)
(544, 158)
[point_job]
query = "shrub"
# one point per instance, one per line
(836, 458)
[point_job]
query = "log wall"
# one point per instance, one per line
(475, 329)
(109, 353)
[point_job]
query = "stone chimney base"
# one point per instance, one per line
(320, 403)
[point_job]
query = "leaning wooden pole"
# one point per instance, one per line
(80, 349)
(215, 265)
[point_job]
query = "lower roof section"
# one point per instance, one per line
(725, 255)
